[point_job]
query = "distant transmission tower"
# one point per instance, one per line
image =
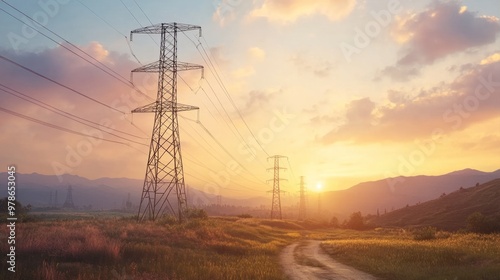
(51, 203)
(164, 171)
(68, 203)
(302, 204)
(276, 204)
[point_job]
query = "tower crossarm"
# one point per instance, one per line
(167, 107)
(154, 67)
(165, 27)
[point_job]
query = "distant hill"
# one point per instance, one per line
(449, 212)
(367, 197)
(102, 193)
(394, 193)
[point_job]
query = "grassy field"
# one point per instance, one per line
(120, 248)
(396, 255)
(106, 246)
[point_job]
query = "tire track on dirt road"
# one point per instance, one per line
(307, 261)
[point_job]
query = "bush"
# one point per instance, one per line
(194, 213)
(355, 221)
(245, 216)
(479, 223)
(426, 233)
(167, 220)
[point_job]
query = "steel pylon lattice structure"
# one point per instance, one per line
(302, 203)
(276, 203)
(164, 170)
(68, 203)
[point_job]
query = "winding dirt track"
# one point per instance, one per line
(307, 261)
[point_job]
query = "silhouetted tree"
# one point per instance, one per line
(355, 221)
(479, 223)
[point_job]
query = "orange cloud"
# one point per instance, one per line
(472, 98)
(286, 11)
(444, 28)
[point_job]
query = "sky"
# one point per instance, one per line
(348, 90)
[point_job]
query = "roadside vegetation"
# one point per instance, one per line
(100, 245)
(121, 248)
(417, 254)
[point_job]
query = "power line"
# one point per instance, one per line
(221, 84)
(114, 28)
(101, 18)
(130, 12)
(62, 85)
(217, 77)
(215, 172)
(59, 127)
(143, 12)
(291, 169)
(69, 115)
(210, 146)
(223, 148)
(109, 71)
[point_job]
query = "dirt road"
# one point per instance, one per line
(306, 261)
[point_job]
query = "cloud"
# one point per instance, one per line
(491, 59)
(287, 11)
(472, 98)
(321, 68)
(442, 29)
(258, 100)
(243, 72)
(218, 55)
(35, 147)
(257, 53)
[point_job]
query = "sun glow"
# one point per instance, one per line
(319, 186)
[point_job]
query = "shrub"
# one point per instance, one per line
(425, 233)
(479, 223)
(245, 216)
(167, 220)
(355, 221)
(194, 213)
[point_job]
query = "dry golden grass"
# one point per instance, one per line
(124, 249)
(399, 256)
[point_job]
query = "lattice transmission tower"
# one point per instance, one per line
(276, 203)
(68, 203)
(302, 203)
(164, 172)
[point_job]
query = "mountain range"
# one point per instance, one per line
(103, 194)
(393, 193)
(371, 197)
